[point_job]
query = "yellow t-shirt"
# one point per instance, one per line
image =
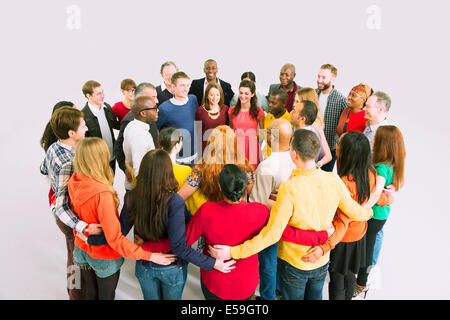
(267, 121)
(181, 173)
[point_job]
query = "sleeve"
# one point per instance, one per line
(106, 211)
(194, 228)
(350, 207)
(194, 179)
(382, 170)
(385, 200)
(43, 168)
(304, 237)
(340, 223)
(162, 118)
(63, 209)
(118, 147)
(260, 113)
(177, 236)
(234, 100)
(262, 188)
(271, 233)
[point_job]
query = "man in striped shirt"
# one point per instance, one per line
(331, 102)
(69, 127)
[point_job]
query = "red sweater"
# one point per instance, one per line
(120, 110)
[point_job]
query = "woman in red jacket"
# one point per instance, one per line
(95, 201)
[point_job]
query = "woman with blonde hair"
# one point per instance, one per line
(311, 95)
(221, 149)
(95, 201)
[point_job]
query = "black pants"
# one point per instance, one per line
(330, 165)
(373, 227)
(100, 288)
(341, 287)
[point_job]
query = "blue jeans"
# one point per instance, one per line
(103, 268)
(377, 247)
(268, 272)
(163, 283)
(296, 284)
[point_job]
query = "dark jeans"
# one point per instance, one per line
(373, 227)
(296, 284)
(341, 287)
(76, 287)
(268, 272)
(100, 288)
(330, 165)
(211, 296)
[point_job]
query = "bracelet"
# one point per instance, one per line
(86, 231)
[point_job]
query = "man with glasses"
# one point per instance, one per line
(143, 89)
(137, 140)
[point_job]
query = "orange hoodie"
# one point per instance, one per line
(94, 203)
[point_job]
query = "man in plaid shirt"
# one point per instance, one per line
(332, 103)
(69, 126)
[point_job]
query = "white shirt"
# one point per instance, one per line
(270, 174)
(137, 141)
(104, 127)
(323, 100)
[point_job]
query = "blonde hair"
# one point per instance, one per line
(311, 95)
(92, 161)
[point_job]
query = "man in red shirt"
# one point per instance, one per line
(287, 83)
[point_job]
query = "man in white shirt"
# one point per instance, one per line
(273, 171)
(331, 104)
(99, 116)
(137, 140)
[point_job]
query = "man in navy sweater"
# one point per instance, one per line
(179, 112)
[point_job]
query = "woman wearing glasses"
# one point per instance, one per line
(121, 108)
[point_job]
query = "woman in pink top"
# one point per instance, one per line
(245, 117)
(230, 221)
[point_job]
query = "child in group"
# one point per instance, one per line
(121, 108)
(245, 117)
(389, 160)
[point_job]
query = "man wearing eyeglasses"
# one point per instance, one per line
(137, 140)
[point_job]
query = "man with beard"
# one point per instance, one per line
(331, 102)
(287, 83)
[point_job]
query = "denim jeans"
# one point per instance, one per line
(377, 247)
(296, 284)
(268, 272)
(161, 283)
(103, 268)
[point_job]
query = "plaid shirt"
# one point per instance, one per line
(58, 166)
(336, 103)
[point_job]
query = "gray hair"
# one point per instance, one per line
(139, 91)
(383, 100)
(168, 63)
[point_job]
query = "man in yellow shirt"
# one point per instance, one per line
(307, 200)
(277, 110)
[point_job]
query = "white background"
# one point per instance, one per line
(43, 61)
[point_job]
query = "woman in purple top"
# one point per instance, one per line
(212, 113)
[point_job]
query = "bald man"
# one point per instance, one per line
(287, 83)
(270, 174)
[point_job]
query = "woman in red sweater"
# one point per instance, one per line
(95, 201)
(353, 117)
(231, 221)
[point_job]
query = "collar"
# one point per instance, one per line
(303, 172)
(95, 110)
(65, 146)
(163, 86)
(294, 88)
(320, 92)
(142, 124)
(178, 102)
(206, 82)
(373, 127)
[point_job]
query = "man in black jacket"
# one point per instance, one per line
(99, 116)
(198, 86)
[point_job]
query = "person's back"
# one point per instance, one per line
(221, 222)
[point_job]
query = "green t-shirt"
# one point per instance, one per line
(386, 171)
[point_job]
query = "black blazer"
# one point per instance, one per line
(197, 89)
(93, 125)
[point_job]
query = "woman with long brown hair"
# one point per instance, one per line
(158, 212)
(213, 112)
(95, 201)
(389, 159)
